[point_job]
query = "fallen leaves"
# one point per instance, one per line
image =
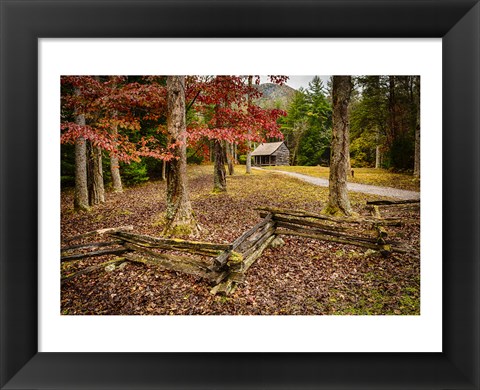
(302, 277)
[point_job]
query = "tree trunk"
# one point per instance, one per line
(249, 158)
(416, 168)
(164, 170)
(179, 213)
(115, 167)
(81, 188)
(377, 157)
(248, 163)
(219, 174)
(338, 202)
(229, 148)
(96, 189)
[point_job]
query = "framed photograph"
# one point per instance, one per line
(43, 346)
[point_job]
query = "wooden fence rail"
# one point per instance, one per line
(225, 265)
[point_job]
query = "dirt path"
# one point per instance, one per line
(355, 187)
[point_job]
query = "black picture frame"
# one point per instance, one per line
(457, 22)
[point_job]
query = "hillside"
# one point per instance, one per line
(275, 96)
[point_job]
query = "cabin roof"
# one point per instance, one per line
(266, 149)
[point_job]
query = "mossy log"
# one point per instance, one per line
(90, 245)
(172, 243)
(163, 261)
(195, 247)
(99, 232)
(79, 256)
(91, 269)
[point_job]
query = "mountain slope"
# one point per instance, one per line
(275, 96)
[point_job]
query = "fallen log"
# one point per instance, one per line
(99, 232)
(91, 269)
(116, 251)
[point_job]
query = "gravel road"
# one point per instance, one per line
(355, 187)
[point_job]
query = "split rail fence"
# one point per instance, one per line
(224, 266)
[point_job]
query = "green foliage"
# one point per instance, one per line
(384, 113)
(242, 159)
(362, 152)
(134, 173)
(308, 125)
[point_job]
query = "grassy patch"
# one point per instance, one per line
(371, 176)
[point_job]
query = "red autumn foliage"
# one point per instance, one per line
(115, 107)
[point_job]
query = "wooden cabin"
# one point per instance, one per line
(271, 153)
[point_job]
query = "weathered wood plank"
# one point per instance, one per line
(168, 263)
(256, 254)
(248, 233)
(99, 232)
(267, 234)
(91, 245)
(220, 261)
(324, 237)
(177, 244)
(306, 214)
(304, 229)
(90, 269)
(254, 238)
(103, 252)
(194, 261)
(392, 202)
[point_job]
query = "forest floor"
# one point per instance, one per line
(303, 277)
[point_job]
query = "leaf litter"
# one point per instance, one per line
(302, 277)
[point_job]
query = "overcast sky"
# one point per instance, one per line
(299, 81)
